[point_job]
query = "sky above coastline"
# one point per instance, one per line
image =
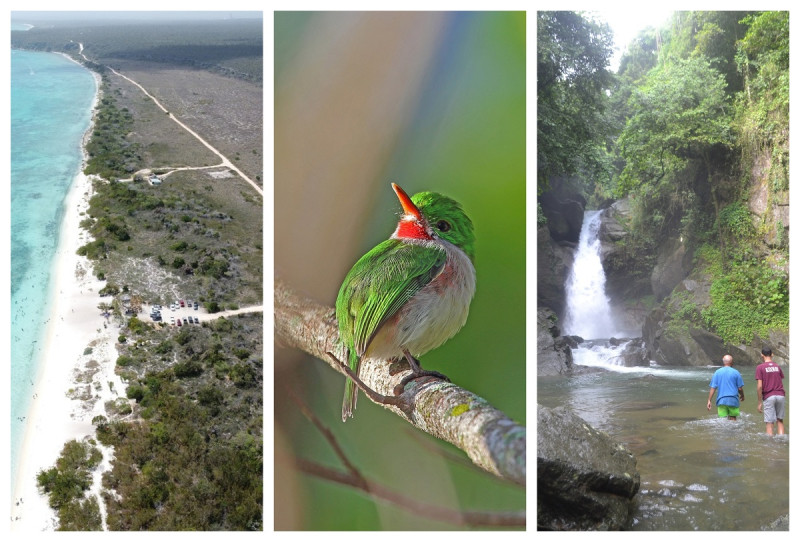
(133, 15)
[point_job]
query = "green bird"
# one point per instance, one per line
(411, 293)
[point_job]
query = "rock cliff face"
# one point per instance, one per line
(563, 205)
(673, 333)
(658, 296)
(585, 480)
(625, 286)
(553, 354)
(556, 240)
(770, 208)
(553, 263)
(673, 264)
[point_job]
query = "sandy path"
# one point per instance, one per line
(225, 162)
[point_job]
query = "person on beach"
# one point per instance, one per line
(729, 385)
(769, 389)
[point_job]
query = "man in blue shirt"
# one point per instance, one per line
(729, 384)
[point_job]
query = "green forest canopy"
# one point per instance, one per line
(679, 129)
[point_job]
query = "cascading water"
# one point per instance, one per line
(697, 471)
(588, 312)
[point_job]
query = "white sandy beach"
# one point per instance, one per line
(57, 414)
(75, 324)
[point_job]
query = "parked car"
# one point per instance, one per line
(179, 322)
(181, 302)
(172, 320)
(195, 305)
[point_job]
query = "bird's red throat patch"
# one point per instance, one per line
(411, 229)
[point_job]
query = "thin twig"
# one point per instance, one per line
(352, 477)
(327, 433)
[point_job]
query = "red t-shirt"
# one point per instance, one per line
(771, 377)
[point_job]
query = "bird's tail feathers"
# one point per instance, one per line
(350, 390)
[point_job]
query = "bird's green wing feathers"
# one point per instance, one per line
(379, 284)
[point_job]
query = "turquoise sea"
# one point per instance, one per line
(51, 101)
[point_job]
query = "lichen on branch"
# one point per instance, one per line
(444, 410)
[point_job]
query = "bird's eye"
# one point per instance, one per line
(443, 225)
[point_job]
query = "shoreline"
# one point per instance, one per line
(64, 402)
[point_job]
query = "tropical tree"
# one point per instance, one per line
(712, 34)
(680, 113)
(762, 113)
(572, 56)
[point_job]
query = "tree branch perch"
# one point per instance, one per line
(490, 439)
(353, 478)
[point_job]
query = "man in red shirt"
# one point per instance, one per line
(769, 388)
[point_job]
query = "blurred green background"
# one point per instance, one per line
(431, 101)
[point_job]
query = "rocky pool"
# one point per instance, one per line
(698, 472)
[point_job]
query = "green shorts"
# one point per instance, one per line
(723, 411)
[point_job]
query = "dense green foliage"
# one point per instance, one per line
(66, 484)
(193, 459)
(699, 118)
(749, 298)
(572, 54)
(678, 113)
(710, 34)
(762, 112)
(110, 154)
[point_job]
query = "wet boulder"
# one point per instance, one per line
(780, 524)
(613, 227)
(634, 354)
(586, 480)
(554, 356)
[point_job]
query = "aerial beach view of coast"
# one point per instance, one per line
(136, 267)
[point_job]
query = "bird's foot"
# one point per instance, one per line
(398, 389)
(399, 402)
(417, 372)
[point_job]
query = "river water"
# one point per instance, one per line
(698, 472)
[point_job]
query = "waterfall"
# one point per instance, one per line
(588, 313)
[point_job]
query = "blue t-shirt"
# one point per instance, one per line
(727, 380)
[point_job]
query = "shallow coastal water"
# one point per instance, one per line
(51, 101)
(698, 472)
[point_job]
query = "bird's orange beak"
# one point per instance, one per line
(409, 208)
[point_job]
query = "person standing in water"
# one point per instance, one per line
(729, 385)
(769, 389)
